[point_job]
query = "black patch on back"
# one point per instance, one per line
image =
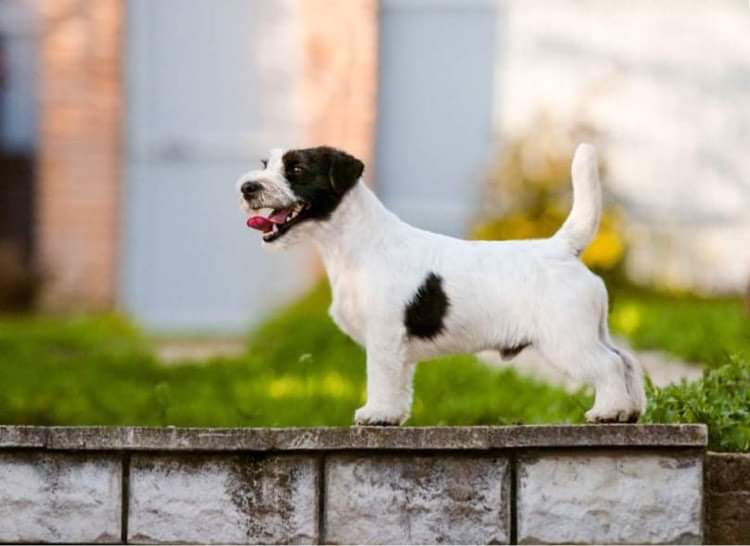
(426, 311)
(321, 176)
(509, 352)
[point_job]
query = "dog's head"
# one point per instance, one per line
(296, 188)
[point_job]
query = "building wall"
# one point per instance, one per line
(114, 139)
(210, 91)
(18, 34)
(80, 105)
(435, 101)
(666, 84)
(339, 79)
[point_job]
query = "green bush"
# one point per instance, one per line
(721, 399)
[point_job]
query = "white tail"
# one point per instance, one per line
(583, 221)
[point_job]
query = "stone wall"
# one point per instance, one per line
(728, 498)
(503, 485)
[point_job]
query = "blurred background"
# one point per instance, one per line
(125, 123)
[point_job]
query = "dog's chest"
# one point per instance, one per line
(347, 311)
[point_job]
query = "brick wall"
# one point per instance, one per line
(79, 150)
(340, 74)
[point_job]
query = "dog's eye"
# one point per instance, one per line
(264, 162)
(297, 169)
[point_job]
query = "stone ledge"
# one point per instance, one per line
(352, 438)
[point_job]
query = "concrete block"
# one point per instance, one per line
(611, 497)
(406, 499)
(214, 499)
(59, 497)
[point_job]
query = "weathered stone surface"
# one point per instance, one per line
(728, 498)
(23, 436)
(429, 485)
(57, 497)
(393, 499)
(219, 499)
(610, 498)
(613, 435)
(429, 438)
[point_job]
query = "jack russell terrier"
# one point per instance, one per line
(407, 295)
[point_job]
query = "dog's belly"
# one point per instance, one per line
(449, 345)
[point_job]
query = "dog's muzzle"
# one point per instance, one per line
(272, 221)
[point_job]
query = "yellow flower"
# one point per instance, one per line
(605, 251)
(627, 318)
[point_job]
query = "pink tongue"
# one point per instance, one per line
(260, 223)
(264, 224)
(279, 217)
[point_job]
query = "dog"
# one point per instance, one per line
(407, 295)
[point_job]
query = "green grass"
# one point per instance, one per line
(299, 370)
(700, 330)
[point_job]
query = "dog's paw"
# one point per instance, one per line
(379, 417)
(612, 415)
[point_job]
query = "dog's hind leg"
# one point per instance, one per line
(633, 371)
(633, 381)
(592, 362)
(613, 402)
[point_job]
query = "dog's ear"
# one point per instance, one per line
(344, 170)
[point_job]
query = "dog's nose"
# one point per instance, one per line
(249, 188)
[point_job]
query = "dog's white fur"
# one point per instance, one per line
(503, 294)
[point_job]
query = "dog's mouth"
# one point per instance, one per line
(275, 222)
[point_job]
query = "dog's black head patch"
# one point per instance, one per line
(425, 313)
(321, 177)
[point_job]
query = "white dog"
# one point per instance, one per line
(407, 295)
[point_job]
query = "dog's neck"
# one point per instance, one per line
(359, 221)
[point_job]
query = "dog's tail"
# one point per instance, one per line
(583, 221)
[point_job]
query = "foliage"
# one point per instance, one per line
(697, 329)
(529, 196)
(721, 399)
(299, 370)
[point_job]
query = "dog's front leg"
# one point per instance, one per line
(389, 390)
